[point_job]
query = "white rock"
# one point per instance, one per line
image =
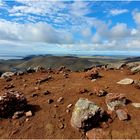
(126, 81)
(137, 105)
(86, 114)
(135, 69)
(28, 114)
(7, 74)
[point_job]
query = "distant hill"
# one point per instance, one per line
(73, 63)
(132, 59)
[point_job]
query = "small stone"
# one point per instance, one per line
(126, 81)
(104, 125)
(122, 115)
(137, 105)
(91, 93)
(67, 110)
(61, 126)
(69, 106)
(17, 114)
(25, 85)
(100, 92)
(29, 114)
(93, 80)
(110, 120)
(56, 106)
(37, 88)
(81, 91)
(46, 92)
(34, 95)
(27, 119)
(60, 99)
(50, 101)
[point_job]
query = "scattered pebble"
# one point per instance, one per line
(29, 114)
(60, 99)
(46, 92)
(50, 101)
(34, 95)
(61, 126)
(67, 110)
(69, 106)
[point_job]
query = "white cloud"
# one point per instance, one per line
(34, 32)
(136, 16)
(115, 12)
(120, 30)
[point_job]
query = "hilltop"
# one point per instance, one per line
(50, 92)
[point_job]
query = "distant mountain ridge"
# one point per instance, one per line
(74, 63)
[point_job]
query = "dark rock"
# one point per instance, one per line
(92, 74)
(9, 86)
(34, 95)
(104, 125)
(30, 70)
(12, 102)
(20, 73)
(8, 79)
(50, 101)
(46, 92)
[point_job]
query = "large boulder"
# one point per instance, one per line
(114, 100)
(11, 102)
(39, 69)
(7, 75)
(86, 115)
(92, 74)
(115, 66)
(135, 69)
(125, 81)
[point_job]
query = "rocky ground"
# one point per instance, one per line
(52, 95)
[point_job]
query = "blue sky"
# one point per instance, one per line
(82, 27)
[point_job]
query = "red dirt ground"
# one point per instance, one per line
(47, 119)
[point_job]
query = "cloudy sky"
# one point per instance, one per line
(80, 27)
